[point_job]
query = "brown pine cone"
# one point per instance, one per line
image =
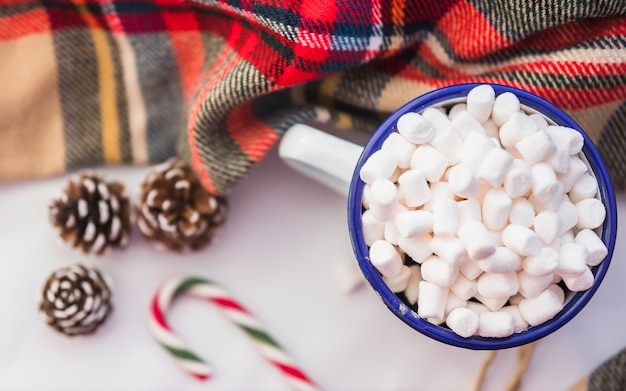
(174, 209)
(92, 214)
(75, 300)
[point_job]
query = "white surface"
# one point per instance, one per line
(277, 254)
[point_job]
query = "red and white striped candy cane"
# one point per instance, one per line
(208, 290)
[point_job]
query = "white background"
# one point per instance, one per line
(284, 237)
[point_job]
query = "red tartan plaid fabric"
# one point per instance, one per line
(90, 82)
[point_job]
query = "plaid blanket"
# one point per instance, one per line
(92, 82)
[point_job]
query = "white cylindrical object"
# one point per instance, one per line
(585, 187)
(572, 260)
(545, 182)
(566, 137)
(531, 286)
(414, 223)
(373, 229)
(498, 284)
(568, 215)
(543, 263)
(522, 240)
(518, 179)
(477, 240)
(540, 308)
(504, 106)
(496, 208)
(380, 165)
(496, 324)
(463, 321)
(464, 123)
(450, 249)
(591, 213)
(547, 225)
(519, 323)
(415, 128)
(536, 147)
(400, 147)
(413, 188)
(456, 109)
(596, 248)
(463, 182)
(383, 199)
(522, 213)
(469, 211)
(431, 302)
(438, 271)
(445, 217)
(503, 260)
(417, 248)
(474, 150)
(577, 168)
(581, 282)
(399, 282)
(438, 191)
(385, 258)
(480, 101)
(429, 161)
(516, 128)
(463, 287)
(495, 166)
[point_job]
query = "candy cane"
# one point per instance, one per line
(208, 290)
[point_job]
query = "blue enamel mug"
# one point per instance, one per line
(336, 163)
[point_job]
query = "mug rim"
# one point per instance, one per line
(573, 305)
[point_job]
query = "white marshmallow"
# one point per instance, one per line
(536, 147)
(385, 258)
(581, 282)
(463, 321)
(504, 260)
(474, 150)
(464, 287)
(595, 246)
(456, 109)
(522, 213)
(495, 166)
(438, 191)
(518, 180)
(413, 188)
(445, 217)
(504, 106)
(517, 128)
(496, 324)
(591, 213)
(498, 284)
(417, 248)
(477, 240)
(365, 199)
(567, 138)
(476, 307)
(391, 233)
(414, 223)
(559, 160)
(522, 240)
(380, 165)
(585, 187)
(558, 291)
(568, 215)
(383, 200)
(463, 182)
(438, 271)
(400, 147)
(430, 161)
(492, 303)
(480, 101)
(539, 120)
(496, 208)
(545, 183)
(470, 270)
(566, 237)
(412, 289)
(464, 124)
(543, 263)
(519, 323)
(415, 128)
(453, 302)
(469, 211)
(450, 249)
(431, 301)
(399, 282)
(491, 130)
(372, 228)
(547, 225)
(572, 260)
(531, 286)
(574, 172)
(445, 139)
(540, 308)
(551, 203)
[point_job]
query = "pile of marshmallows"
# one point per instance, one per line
(494, 208)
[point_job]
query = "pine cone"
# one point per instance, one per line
(175, 210)
(75, 300)
(92, 214)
